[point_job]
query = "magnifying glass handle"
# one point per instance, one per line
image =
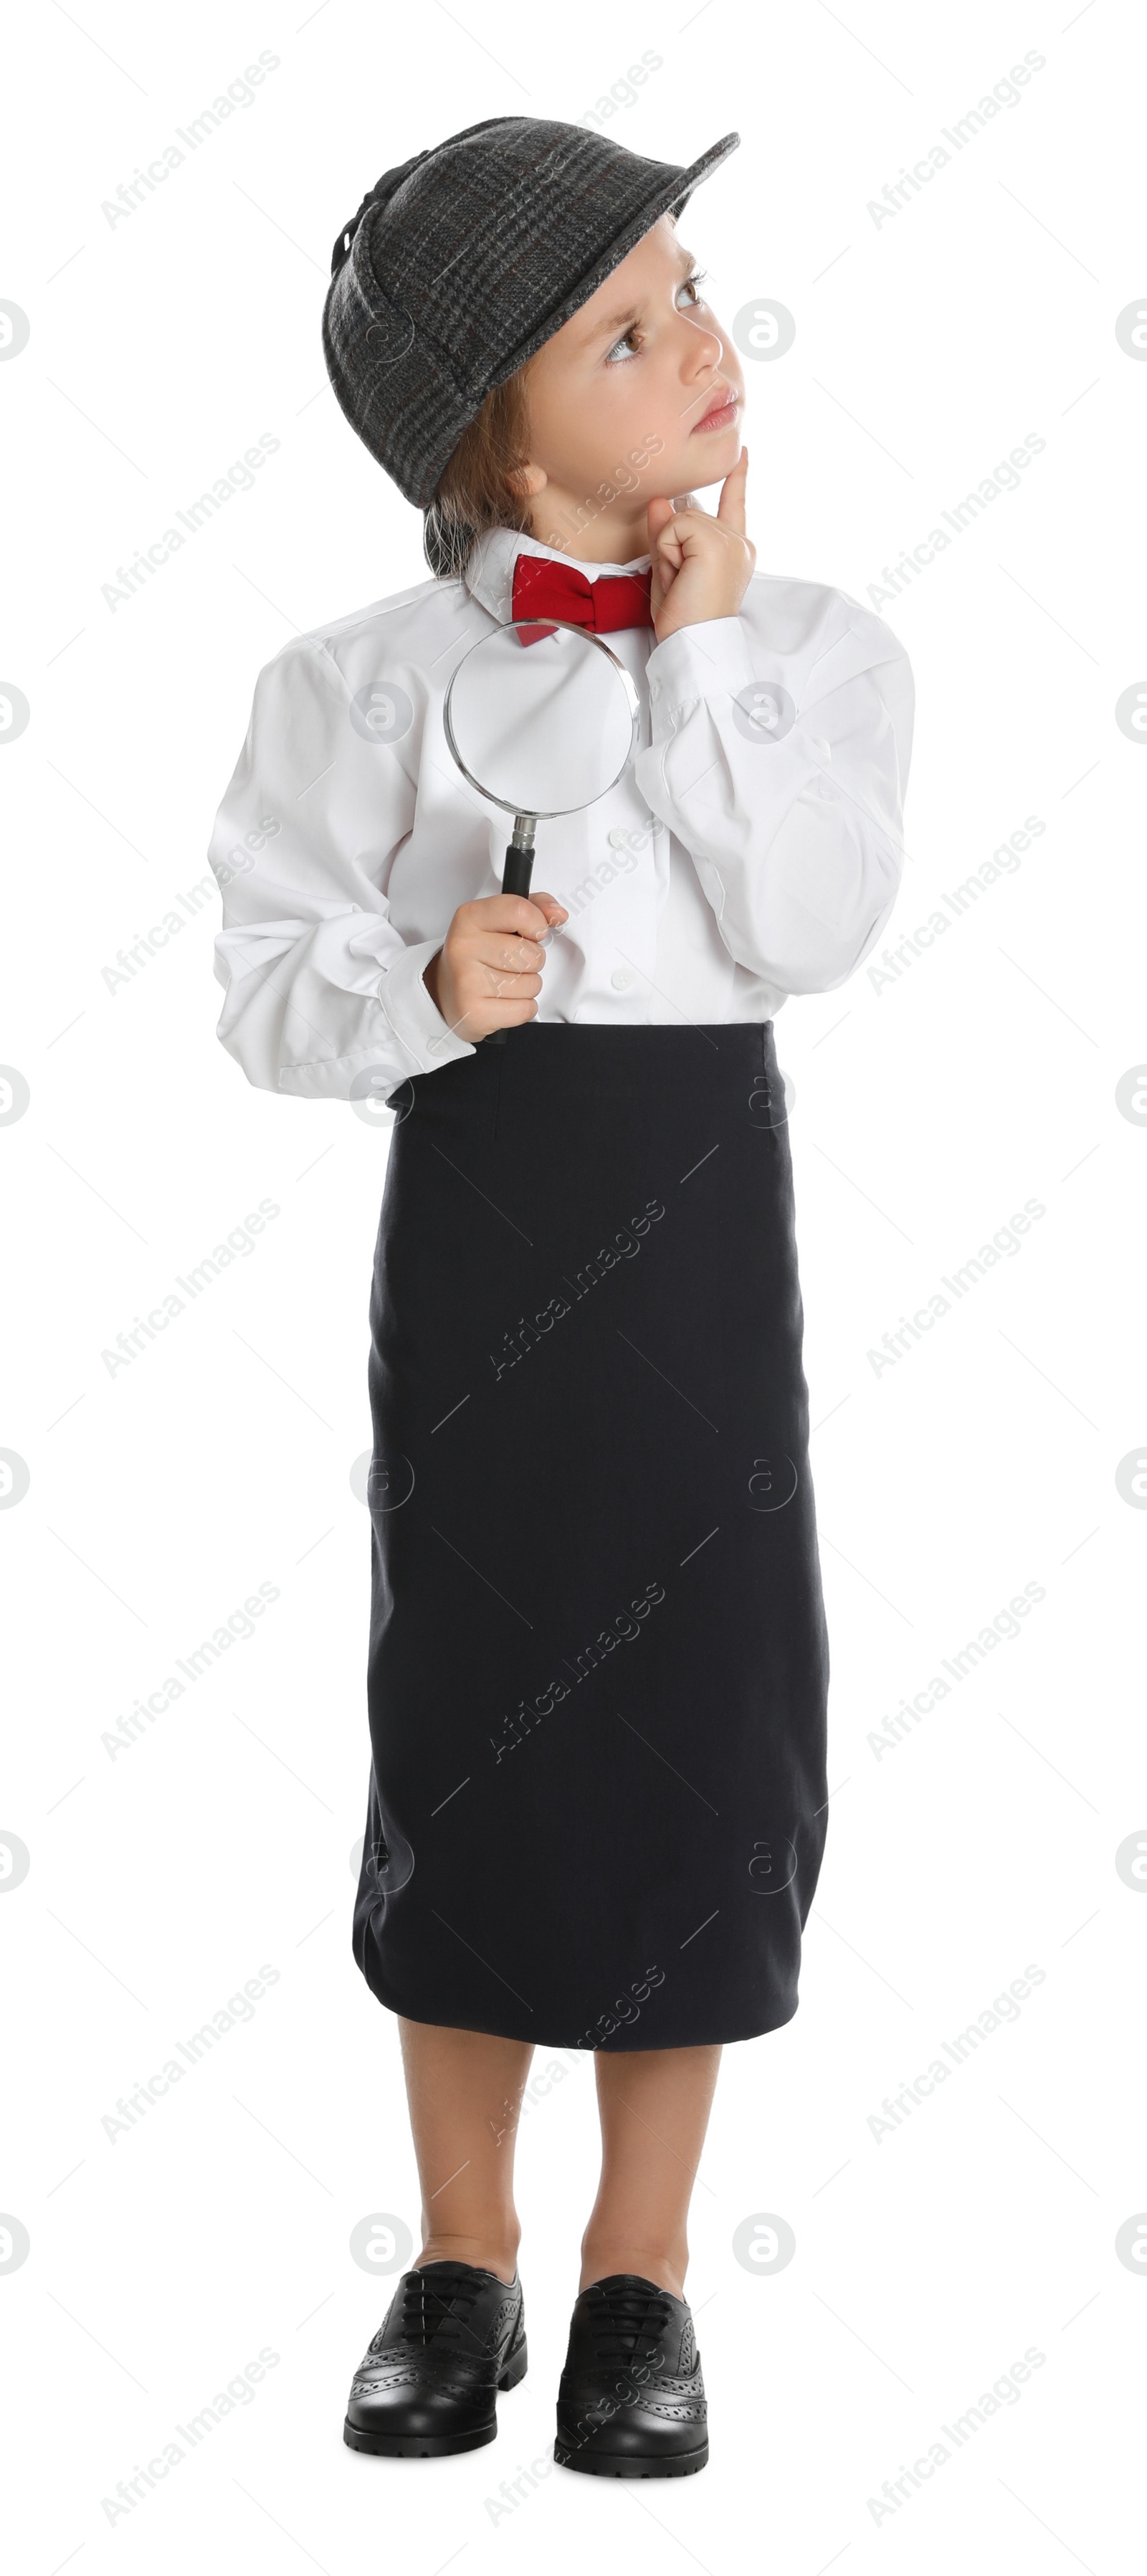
(518, 870)
(519, 865)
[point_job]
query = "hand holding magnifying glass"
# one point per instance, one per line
(542, 720)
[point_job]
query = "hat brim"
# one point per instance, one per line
(667, 199)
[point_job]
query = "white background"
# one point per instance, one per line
(929, 2260)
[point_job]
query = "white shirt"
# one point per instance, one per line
(729, 868)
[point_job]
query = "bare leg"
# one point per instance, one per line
(654, 2108)
(464, 2088)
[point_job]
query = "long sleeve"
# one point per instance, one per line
(319, 983)
(780, 748)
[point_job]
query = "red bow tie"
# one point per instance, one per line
(561, 591)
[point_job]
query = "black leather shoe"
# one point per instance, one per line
(631, 2403)
(452, 2336)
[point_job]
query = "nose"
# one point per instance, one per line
(703, 351)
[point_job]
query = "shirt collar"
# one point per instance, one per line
(489, 571)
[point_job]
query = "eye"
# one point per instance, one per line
(630, 341)
(624, 346)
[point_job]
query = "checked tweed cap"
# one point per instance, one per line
(461, 262)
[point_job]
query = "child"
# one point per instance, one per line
(598, 1663)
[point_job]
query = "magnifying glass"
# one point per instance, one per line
(542, 719)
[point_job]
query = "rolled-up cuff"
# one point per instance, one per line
(708, 660)
(417, 1022)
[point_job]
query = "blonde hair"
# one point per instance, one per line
(473, 492)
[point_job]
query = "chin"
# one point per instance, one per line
(707, 471)
(710, 458)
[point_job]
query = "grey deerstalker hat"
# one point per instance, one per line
(461, 262)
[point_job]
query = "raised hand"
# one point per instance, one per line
(701, 565)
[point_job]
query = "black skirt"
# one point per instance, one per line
(598, 1665)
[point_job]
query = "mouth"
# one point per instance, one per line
(721, 413)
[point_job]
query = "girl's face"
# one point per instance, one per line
(641, 372)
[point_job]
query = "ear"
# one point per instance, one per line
(526, 482)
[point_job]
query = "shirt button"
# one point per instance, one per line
(618, 840)
(655, 688)
(621, 978)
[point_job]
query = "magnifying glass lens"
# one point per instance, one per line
(542, 725)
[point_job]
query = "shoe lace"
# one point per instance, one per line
(625, 2316)
(434, 2312)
